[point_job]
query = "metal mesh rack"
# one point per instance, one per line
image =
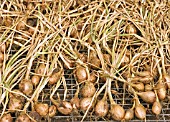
(70, 81)
(163, 117)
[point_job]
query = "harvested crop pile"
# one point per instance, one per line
(84, 60)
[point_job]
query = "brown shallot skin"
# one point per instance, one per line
(41, 69)
(1, 57)
(107, 58)
(41, 108)
(65, 108)
(35, 80)
(75, 101)
(6, 118)
(88, 89)
(92, 55)
(138, 86)
(129, 114)
(143, 73)
(21, 26)
(148, 96)
(140, 111)
(3, 47)
(161, 91)
(56, 75)
(36, 116)
(17, 95)
(52, 111)
(131, 29)
(148, 87)
(81, 73)
(96, 63)
(156, 108)
(82, 57)
(23, 118)
(26, 87)
(117, 112)
(94, 60)
(84, 103)
(92, 77)
(101, 108)
(146, 79)
(167, 80)
(15, 103)
(8, 21)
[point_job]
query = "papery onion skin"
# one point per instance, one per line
(81, 74)
(88, 90)
(140, 112)
(148, 97)
(52, 111)
(84, 103)
(23, 118)
(41, 108)
(101, 108)
(26, 87)
(117, 112)
(156, 108)
(6, 118)
(129, 114)
(65, 108)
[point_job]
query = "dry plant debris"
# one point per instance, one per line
(84, 60)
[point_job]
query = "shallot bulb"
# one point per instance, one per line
(85, 103)
(94, 60)
(15, 104)
(101, 108)
(65, 108)
(129, 114)
(88, 89)
(35, 80)
(131, 29)
(138, 86)
(56, 75)
(41, 69)
(107, 58)
(36, 116)
(81, 74)
(162, 93)
(92, 77)
(96, 63)
(17, 95)
(140, 111)
(148, 87)
(161, 90)
(167, 80)
(23, 118)
(75, 101)
(26, 87)
(41, 108)
(6, 118)
(156, 108)
(21, 26)
(52, 111)
(117, 112)
(148, 96)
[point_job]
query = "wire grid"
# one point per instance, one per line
(163, 117)
(70, 82)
